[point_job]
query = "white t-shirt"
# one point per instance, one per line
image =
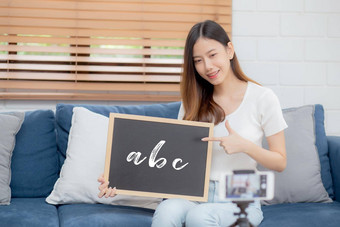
(258, 115)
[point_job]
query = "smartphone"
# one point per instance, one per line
(246, 185)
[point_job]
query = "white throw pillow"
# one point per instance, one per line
(85, 160)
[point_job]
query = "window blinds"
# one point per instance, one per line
(129, 50)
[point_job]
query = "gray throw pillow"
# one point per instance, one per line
(10, 124)
(301, 180)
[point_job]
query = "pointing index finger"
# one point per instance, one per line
(211, 139)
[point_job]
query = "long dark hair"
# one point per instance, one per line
(196, 92)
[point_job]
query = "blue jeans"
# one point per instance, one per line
(181, 212)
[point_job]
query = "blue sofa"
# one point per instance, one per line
(40, 152)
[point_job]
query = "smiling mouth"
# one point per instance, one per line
(213, 74)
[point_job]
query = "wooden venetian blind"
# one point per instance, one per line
(98, 49)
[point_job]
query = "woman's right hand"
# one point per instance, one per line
(103, 188)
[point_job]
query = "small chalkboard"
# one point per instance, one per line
(158, 157)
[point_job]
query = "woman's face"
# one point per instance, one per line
(212, 60)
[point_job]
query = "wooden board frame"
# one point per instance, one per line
(110, 141)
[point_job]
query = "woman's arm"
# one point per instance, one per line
(274, 158)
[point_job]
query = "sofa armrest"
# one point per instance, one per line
(334, 157)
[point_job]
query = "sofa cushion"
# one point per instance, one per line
(10, 124)
(29, 212)
(64, 116)
(301, 214)
(83, 215)
(35, 166)
(334, 156)
(303, 164)
(322, 146)
(85, 160)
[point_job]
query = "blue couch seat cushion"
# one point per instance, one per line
(29, 212)
(301, 214)
(90, 215)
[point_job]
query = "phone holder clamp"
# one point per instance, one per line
(242, 220)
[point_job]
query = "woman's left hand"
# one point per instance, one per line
(233, 143)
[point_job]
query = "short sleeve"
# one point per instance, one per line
(181, 112)
(271, 116)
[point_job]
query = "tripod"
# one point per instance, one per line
(242, 220)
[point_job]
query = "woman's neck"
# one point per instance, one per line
(231, 87)
(230, 96)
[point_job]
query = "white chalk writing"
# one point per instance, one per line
(159, 163)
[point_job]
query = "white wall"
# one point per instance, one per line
(291, 46)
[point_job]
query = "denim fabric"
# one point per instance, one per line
(176, 212)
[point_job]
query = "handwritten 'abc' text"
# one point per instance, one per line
(159, 163)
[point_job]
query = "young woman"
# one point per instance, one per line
(214, 89)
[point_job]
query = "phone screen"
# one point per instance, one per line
(245, 186)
